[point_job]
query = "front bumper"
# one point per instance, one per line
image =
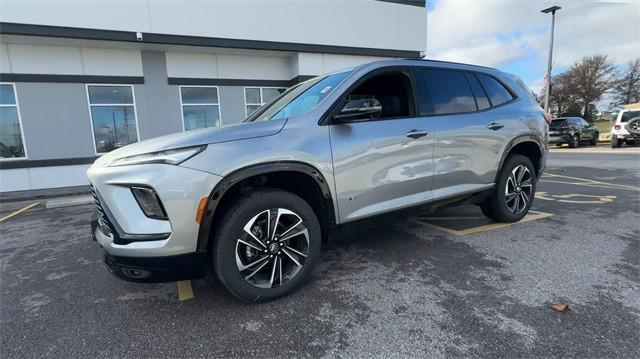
(142, 249)
(153, 269)
(134, 234)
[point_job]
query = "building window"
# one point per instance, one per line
(200, 107)
(256, 97)
(113, 116)
(11, 136)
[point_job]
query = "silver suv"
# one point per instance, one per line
(253, 201)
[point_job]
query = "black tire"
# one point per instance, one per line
(574, 142)
(497, 207)
(594, 140)
(615, 142)
(239, 214)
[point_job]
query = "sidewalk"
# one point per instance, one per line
(45, 198)
(600, 148)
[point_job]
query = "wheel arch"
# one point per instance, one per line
(310, 184)
(527, 145)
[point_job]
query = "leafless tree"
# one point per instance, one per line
(563, 98)
(590, 78)
(627, 88)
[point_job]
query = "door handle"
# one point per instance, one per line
(416, 134)
(495, 126)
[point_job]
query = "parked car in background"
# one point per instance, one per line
(572, 131)
(253, 201)
(626, 129)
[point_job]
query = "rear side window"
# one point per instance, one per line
(626, 116)
(497, 93)
(442, 92)
(478, 92)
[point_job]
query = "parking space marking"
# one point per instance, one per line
(185, 291)
(15, 213)
(531, 216)
(566, 198)
(586, 182)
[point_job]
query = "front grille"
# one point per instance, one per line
(96, 200)
(103, 222)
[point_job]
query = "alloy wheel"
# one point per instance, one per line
(272, 248)
(519, 189)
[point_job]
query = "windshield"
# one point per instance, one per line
(626, 116)
(299, 99)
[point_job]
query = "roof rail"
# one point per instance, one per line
(450, 62)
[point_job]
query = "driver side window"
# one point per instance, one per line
(391, 90)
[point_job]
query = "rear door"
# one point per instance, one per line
(383, 162)
(470, 115)
(587, 129)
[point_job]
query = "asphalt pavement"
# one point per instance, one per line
(448, 284)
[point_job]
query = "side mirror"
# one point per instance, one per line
(359, 108)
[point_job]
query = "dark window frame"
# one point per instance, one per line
(464, 75)
(514, 95)
(326, 119)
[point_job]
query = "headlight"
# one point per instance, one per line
(172, 157)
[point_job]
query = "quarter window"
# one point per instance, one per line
(11, 142)
(481, 97)
(200, 107)
(256, 97)
(113, 116)
(498, 94)
(443, 92)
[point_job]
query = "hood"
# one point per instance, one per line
(205, 136)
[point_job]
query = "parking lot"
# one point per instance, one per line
(444, 284)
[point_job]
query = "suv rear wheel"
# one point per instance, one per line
(615, 142)
(514, 193)
(267, 244)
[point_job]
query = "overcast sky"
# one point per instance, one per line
(513, 35)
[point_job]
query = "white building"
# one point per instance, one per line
(79, 78)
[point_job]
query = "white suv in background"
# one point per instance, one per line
(626, 129)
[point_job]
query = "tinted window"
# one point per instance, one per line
(113, 116)
(110, 95)
(558, 123)
(200, 107)
(498, 94)
(626, 116)
(481, 97)
(443, 92)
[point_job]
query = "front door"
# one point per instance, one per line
(384, 162)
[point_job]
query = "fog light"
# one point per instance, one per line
(149, 202)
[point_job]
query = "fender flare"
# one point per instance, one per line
(516, 141)
(228, 181)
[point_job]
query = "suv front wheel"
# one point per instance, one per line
(266, 245)
(514, 192)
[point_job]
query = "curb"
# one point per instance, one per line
(69, 201)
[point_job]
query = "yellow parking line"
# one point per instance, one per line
(532, 216)
(15, 213)
(184, 290)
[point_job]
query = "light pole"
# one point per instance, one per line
(547, 90)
